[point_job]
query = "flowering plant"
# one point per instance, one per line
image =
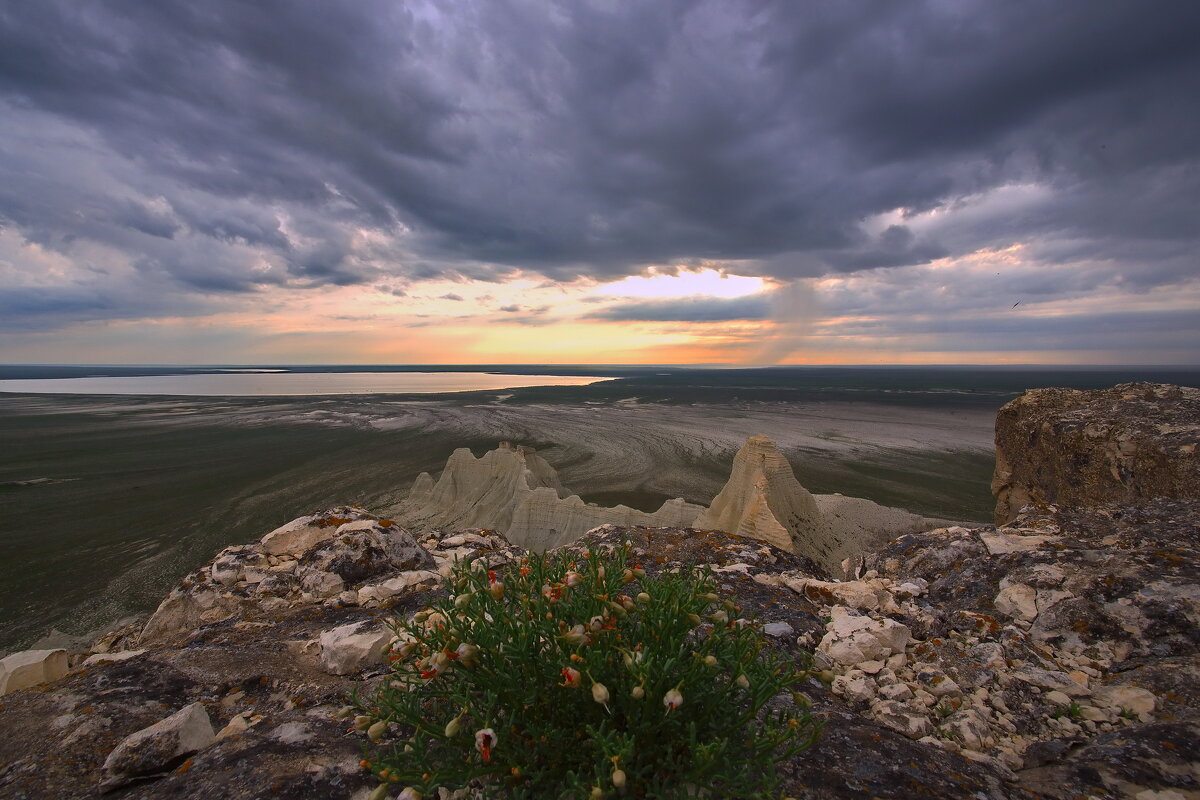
(572, 675)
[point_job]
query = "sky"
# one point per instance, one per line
(592, 181)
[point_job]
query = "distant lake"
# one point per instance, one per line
(263, 383)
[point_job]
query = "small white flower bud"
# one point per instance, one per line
(376, 731)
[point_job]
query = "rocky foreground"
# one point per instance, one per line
(1055, 656)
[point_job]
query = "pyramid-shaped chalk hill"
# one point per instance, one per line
(763, 500)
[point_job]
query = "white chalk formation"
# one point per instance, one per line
(514, 490)
(763, 500)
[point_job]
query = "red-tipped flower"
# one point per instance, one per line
(485, 740)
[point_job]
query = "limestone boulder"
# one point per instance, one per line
(31, 667)
(234, 563)
(1017, 600)
(321, 583)
(852, 638)
(1077, 449)
(277, 585)
(351, 648)
(365, 549)
(302, 533)
(189, 606)
(160, 746)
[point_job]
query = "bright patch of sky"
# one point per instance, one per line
(683, 283)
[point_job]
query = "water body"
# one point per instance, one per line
(265, 382)
(106, 501)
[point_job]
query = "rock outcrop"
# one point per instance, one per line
(763, 500)
(512, 489)
(1076, 448)
(359, 560)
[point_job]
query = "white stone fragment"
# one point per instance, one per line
(856, 689)
(899, 718)
(1051, 680)
(867, 595)
(350, 648)
(31, 667)
(779, 630)
(236, 726)
(1126, 698)
(999, 544)
(896, 691)
(852, 639)
(292, 733)
(159, 746)
(1017, 600)
(970, 729)
(394, 586)
(108, 658)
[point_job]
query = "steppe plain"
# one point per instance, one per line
(106, 501)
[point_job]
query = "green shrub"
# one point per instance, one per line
(576, 676)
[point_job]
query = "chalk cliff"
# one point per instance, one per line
(512, 489)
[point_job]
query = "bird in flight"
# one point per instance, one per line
(1016, 304)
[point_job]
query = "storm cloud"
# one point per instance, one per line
(188, 154)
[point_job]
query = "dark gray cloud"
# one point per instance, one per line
(1172, 335)
(225, 148)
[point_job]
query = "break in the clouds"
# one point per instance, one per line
(191, 160)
